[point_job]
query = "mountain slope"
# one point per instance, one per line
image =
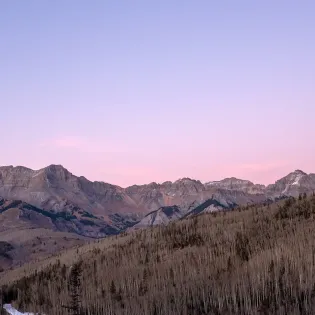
(162, 216)
(55, 188)
(210, 200)
(182, 192)
(28, 233)
(293, 184)
(18, 214)
(233, 183)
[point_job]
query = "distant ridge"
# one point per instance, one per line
(56, 190)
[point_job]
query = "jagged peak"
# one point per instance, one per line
(153, 184)
(168, 182)
(6, 166)
(297, 171)
(50, 168)
(55, 168)
(229, 179)
(187, 180)
(18, 168)
(235, 179)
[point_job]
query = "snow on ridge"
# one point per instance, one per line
(36, 173)
(297, 179)
(212, 183)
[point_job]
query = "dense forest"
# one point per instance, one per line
(253, 260)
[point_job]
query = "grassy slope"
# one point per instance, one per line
(255, 260)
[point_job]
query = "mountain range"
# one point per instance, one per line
(96, 209)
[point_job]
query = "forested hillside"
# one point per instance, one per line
(254, 260)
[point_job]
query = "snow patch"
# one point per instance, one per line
(36, 173)
(297, 179)
(11, 310)
(212, 183)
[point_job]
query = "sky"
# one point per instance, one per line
(136, 91)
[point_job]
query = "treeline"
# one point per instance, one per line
(254, 260)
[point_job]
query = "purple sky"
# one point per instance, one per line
(135, 91)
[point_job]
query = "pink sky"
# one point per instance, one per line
(134, 92)
(124, 166)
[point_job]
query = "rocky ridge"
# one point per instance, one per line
(113, 209)
(239, 185)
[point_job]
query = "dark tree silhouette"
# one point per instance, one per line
(75, 289)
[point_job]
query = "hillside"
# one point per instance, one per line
(254, 260)
(18, 214)
(28, 234)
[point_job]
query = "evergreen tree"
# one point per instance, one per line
(112, 288)
(75, 285)
(75, 289)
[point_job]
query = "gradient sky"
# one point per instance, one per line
(135, 91)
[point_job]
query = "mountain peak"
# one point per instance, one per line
(293, 184)
(55, 168)
(233, 183)
(17, 168)
(58, 172)
(299, 172)
(186, 180)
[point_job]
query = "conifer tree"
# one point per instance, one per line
(112, 288)
(75, 289)
(75, 285)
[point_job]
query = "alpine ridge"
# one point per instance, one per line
(108, 209)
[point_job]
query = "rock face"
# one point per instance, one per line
(293, 184)
(216, 201)
(162, 216)
(183, 192)
(239, 185)
(186, 194)
(97, 209)
(165, 215)
(55, 188)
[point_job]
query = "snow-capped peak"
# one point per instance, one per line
(296, 176)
